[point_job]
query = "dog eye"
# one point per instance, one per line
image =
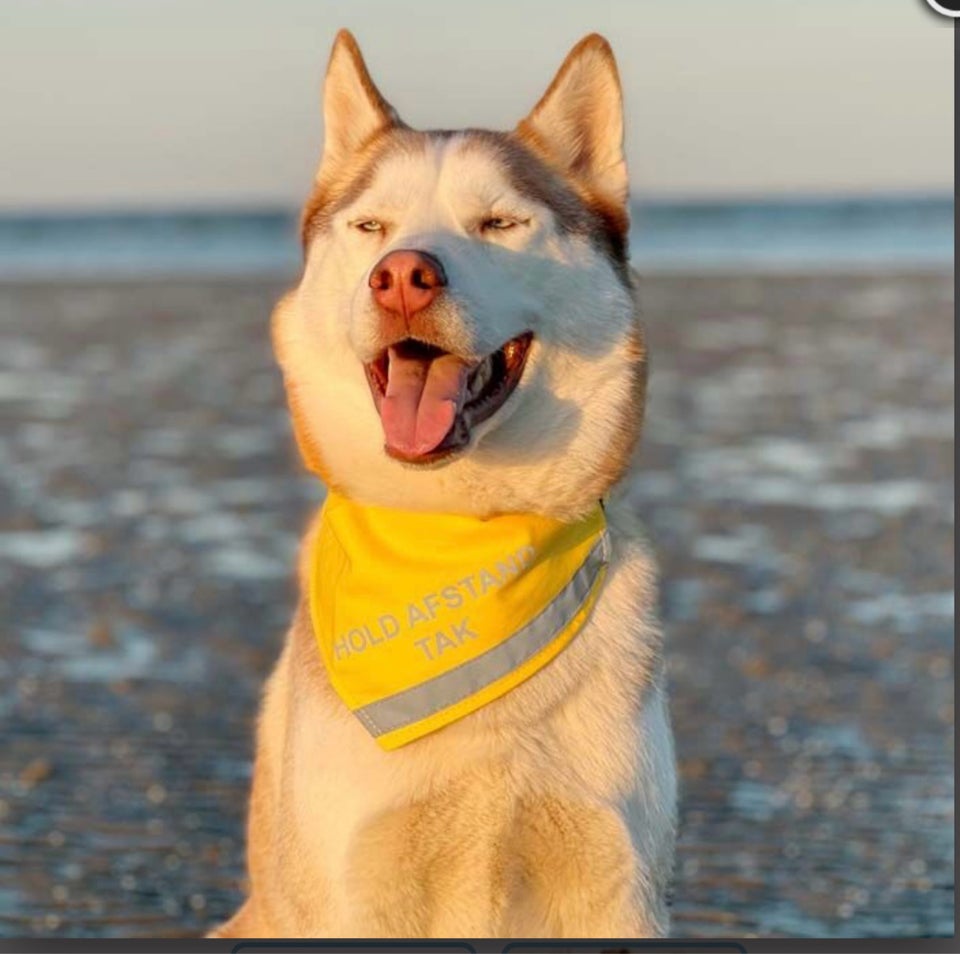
(369, 225)
(498, 223)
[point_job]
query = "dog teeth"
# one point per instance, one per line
(481, 377)
(461, 431)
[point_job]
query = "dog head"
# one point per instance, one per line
(465, 335)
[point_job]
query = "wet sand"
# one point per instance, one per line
(797, 484)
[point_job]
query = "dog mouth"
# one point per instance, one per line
(429, 400)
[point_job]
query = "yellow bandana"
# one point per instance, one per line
(423, 618)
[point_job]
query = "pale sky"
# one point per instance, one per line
(158, 103)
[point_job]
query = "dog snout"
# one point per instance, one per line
(405, 281)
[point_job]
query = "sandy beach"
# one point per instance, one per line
(797, 484)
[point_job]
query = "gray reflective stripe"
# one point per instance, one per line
(418, 702)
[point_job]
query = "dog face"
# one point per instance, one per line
(464, 337)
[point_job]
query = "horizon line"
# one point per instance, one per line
(277, 207)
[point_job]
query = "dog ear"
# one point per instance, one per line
(578, 124)
(354, 111)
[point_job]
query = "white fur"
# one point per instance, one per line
(551, 811)
(568, 404)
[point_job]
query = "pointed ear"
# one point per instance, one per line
(353, 109)
(578, 124)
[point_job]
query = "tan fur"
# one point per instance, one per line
(599, 174)
(625, 444)
(551, 811)
(307, 444)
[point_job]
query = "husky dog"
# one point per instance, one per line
(465, 340)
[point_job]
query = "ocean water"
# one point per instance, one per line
(828, 234)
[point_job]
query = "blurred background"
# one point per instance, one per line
(792, 172)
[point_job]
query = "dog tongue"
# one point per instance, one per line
(423, 397)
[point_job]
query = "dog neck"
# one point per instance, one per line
(423, 618)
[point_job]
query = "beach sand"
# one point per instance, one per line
(797, 483)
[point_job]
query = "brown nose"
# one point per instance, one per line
(405, 281)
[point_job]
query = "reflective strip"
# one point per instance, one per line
(424, 700)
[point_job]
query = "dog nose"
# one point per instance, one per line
(406, 281)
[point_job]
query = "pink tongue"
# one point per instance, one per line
(422, 400)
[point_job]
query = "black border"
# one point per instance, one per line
(938, 12)
(902, 945)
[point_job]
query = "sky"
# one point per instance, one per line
(109, 104)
